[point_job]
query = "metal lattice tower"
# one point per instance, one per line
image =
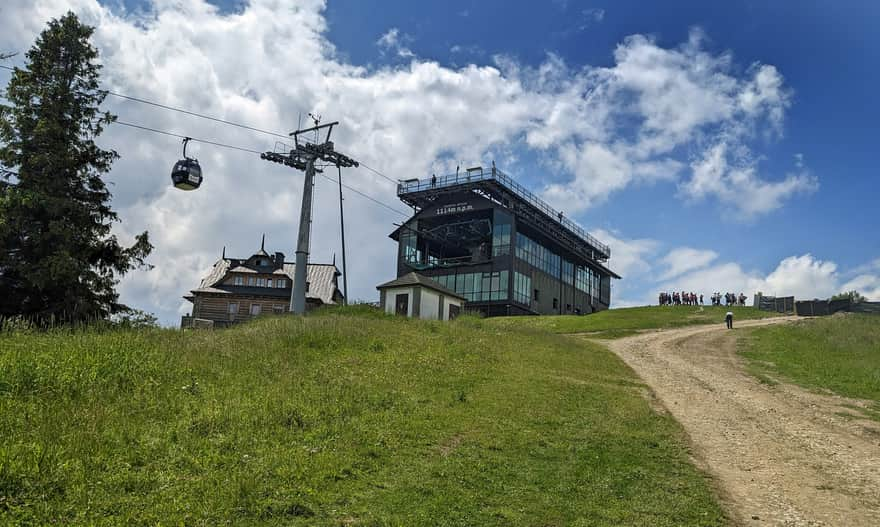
(302, 156)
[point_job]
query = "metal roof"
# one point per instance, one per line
(415, 191)
(417, 279)
(322, 285)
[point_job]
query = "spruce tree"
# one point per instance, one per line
(59, 260)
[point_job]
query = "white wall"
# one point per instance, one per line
(449, 301)
(391, 298)
(430, 305)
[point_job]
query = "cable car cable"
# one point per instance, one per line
(196, 139)
(223, 121)
(210, 118)
(196, 114)
(250, 151)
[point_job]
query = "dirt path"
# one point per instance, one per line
(779, 454)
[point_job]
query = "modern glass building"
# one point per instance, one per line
(505, 250)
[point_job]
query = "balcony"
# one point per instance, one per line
(478, 174)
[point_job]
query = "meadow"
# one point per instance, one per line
(839, 354)
(616, 323)
(343, 417)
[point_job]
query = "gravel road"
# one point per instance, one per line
(779, 455)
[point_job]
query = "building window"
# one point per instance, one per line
(255, 309)
(261, 282)
(538, 256)
(584, 279)
(409, 244)
(281, 282)
(252, 280)
(269, 283)
(239, 280)
(500, 239)
(278, 308)
(476, 287)
(232, 310)
(522, 285)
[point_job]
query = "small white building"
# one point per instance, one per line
(414, 295)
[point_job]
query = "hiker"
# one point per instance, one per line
(729, 319)
(701, 299)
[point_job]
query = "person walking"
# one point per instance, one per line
(729, 319)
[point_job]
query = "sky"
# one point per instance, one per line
(714, 146)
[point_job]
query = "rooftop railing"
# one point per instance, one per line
(474, 175)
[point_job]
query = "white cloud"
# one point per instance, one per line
(590, 16)
(866, 284)
(738, 185)
(804, 277)
(271, 62)
(667, 99)
(631, 256)
(683, 259)
(392, 41)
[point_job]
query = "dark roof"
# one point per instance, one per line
(320, 277)
(417, 279)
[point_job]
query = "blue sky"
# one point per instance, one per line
(749, 166)
(828, 53)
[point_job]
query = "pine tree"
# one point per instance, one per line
(59, 260)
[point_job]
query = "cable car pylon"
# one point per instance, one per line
(303, 156)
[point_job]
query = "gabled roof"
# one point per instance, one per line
(322, 285)
(417, 279)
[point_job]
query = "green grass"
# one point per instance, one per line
(340, 418)
(616, 323)
(839, 353)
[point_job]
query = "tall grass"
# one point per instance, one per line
(615, 323)
(347, 417)
(839, 353)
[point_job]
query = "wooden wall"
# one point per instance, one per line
(216, 307)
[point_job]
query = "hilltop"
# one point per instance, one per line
(342, 417)
(615, 323)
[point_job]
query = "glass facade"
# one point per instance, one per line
(476, 287)
(409, 244)
(536, 255)
(522, 288)
(501, 239)
(501, 230)
(458, 244)
(533, 253)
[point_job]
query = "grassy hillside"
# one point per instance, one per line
(839, 353)
(615, 323)
(342, 418)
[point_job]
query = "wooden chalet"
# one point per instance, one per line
(238, 289)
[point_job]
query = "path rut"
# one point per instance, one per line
(779, 455)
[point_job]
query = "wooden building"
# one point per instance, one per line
(238, 289)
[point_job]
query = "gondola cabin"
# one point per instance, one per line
(187, 174)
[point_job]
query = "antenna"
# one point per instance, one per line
(303, 156)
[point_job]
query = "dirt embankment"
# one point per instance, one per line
(779, 454)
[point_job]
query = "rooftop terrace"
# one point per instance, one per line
(407, 190)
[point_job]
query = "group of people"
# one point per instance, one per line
(730, 299)
(682, 298)
(692, 299)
